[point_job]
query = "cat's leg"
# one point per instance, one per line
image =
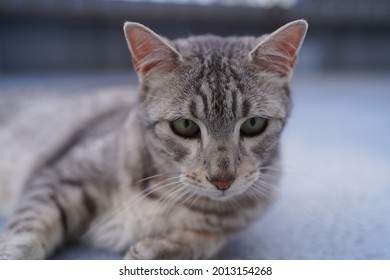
(182, 245)
(48, 212)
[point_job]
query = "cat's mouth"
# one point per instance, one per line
(218, 191)
(222, 195)
(219, 195)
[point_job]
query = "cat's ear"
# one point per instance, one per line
(151, 53)
(277, 53)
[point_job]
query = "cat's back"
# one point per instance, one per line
(36, 126)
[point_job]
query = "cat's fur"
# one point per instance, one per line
(128, 183)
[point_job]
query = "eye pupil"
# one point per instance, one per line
(252, 121)
(186, 123)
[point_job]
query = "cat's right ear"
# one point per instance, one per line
(151, 53)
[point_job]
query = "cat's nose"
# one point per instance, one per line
(222, 185)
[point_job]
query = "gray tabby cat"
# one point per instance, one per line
(196, 158)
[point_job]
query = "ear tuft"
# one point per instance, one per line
(278, 52)
(151, 53)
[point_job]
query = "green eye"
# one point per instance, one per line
(253, 126)
(185, 128)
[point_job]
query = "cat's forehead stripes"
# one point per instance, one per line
(220, 98)
(215, 74)
(218, 93)
(220, 77)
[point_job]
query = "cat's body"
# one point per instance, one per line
(171, 174)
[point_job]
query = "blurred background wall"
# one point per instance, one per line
(39, 36)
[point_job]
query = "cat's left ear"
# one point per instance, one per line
(277, 53)
(151, 53)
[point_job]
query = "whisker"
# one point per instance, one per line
(157, 175)
(122, 210)
(236, 204)
(262, 188)
(166, 203)
(195, 200)
(149, 192)
(190, 193)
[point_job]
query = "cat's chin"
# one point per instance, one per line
(223, 196)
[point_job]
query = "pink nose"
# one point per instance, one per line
(224, 185)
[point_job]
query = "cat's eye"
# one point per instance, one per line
(185, 128)
(253, 126)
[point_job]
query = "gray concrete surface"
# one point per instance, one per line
(335, 196)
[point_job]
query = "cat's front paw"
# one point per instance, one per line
(7, 251)
(157, 249)
(19, 248)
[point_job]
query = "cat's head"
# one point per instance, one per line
(213, 108)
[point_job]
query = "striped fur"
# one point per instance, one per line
(127, 183)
